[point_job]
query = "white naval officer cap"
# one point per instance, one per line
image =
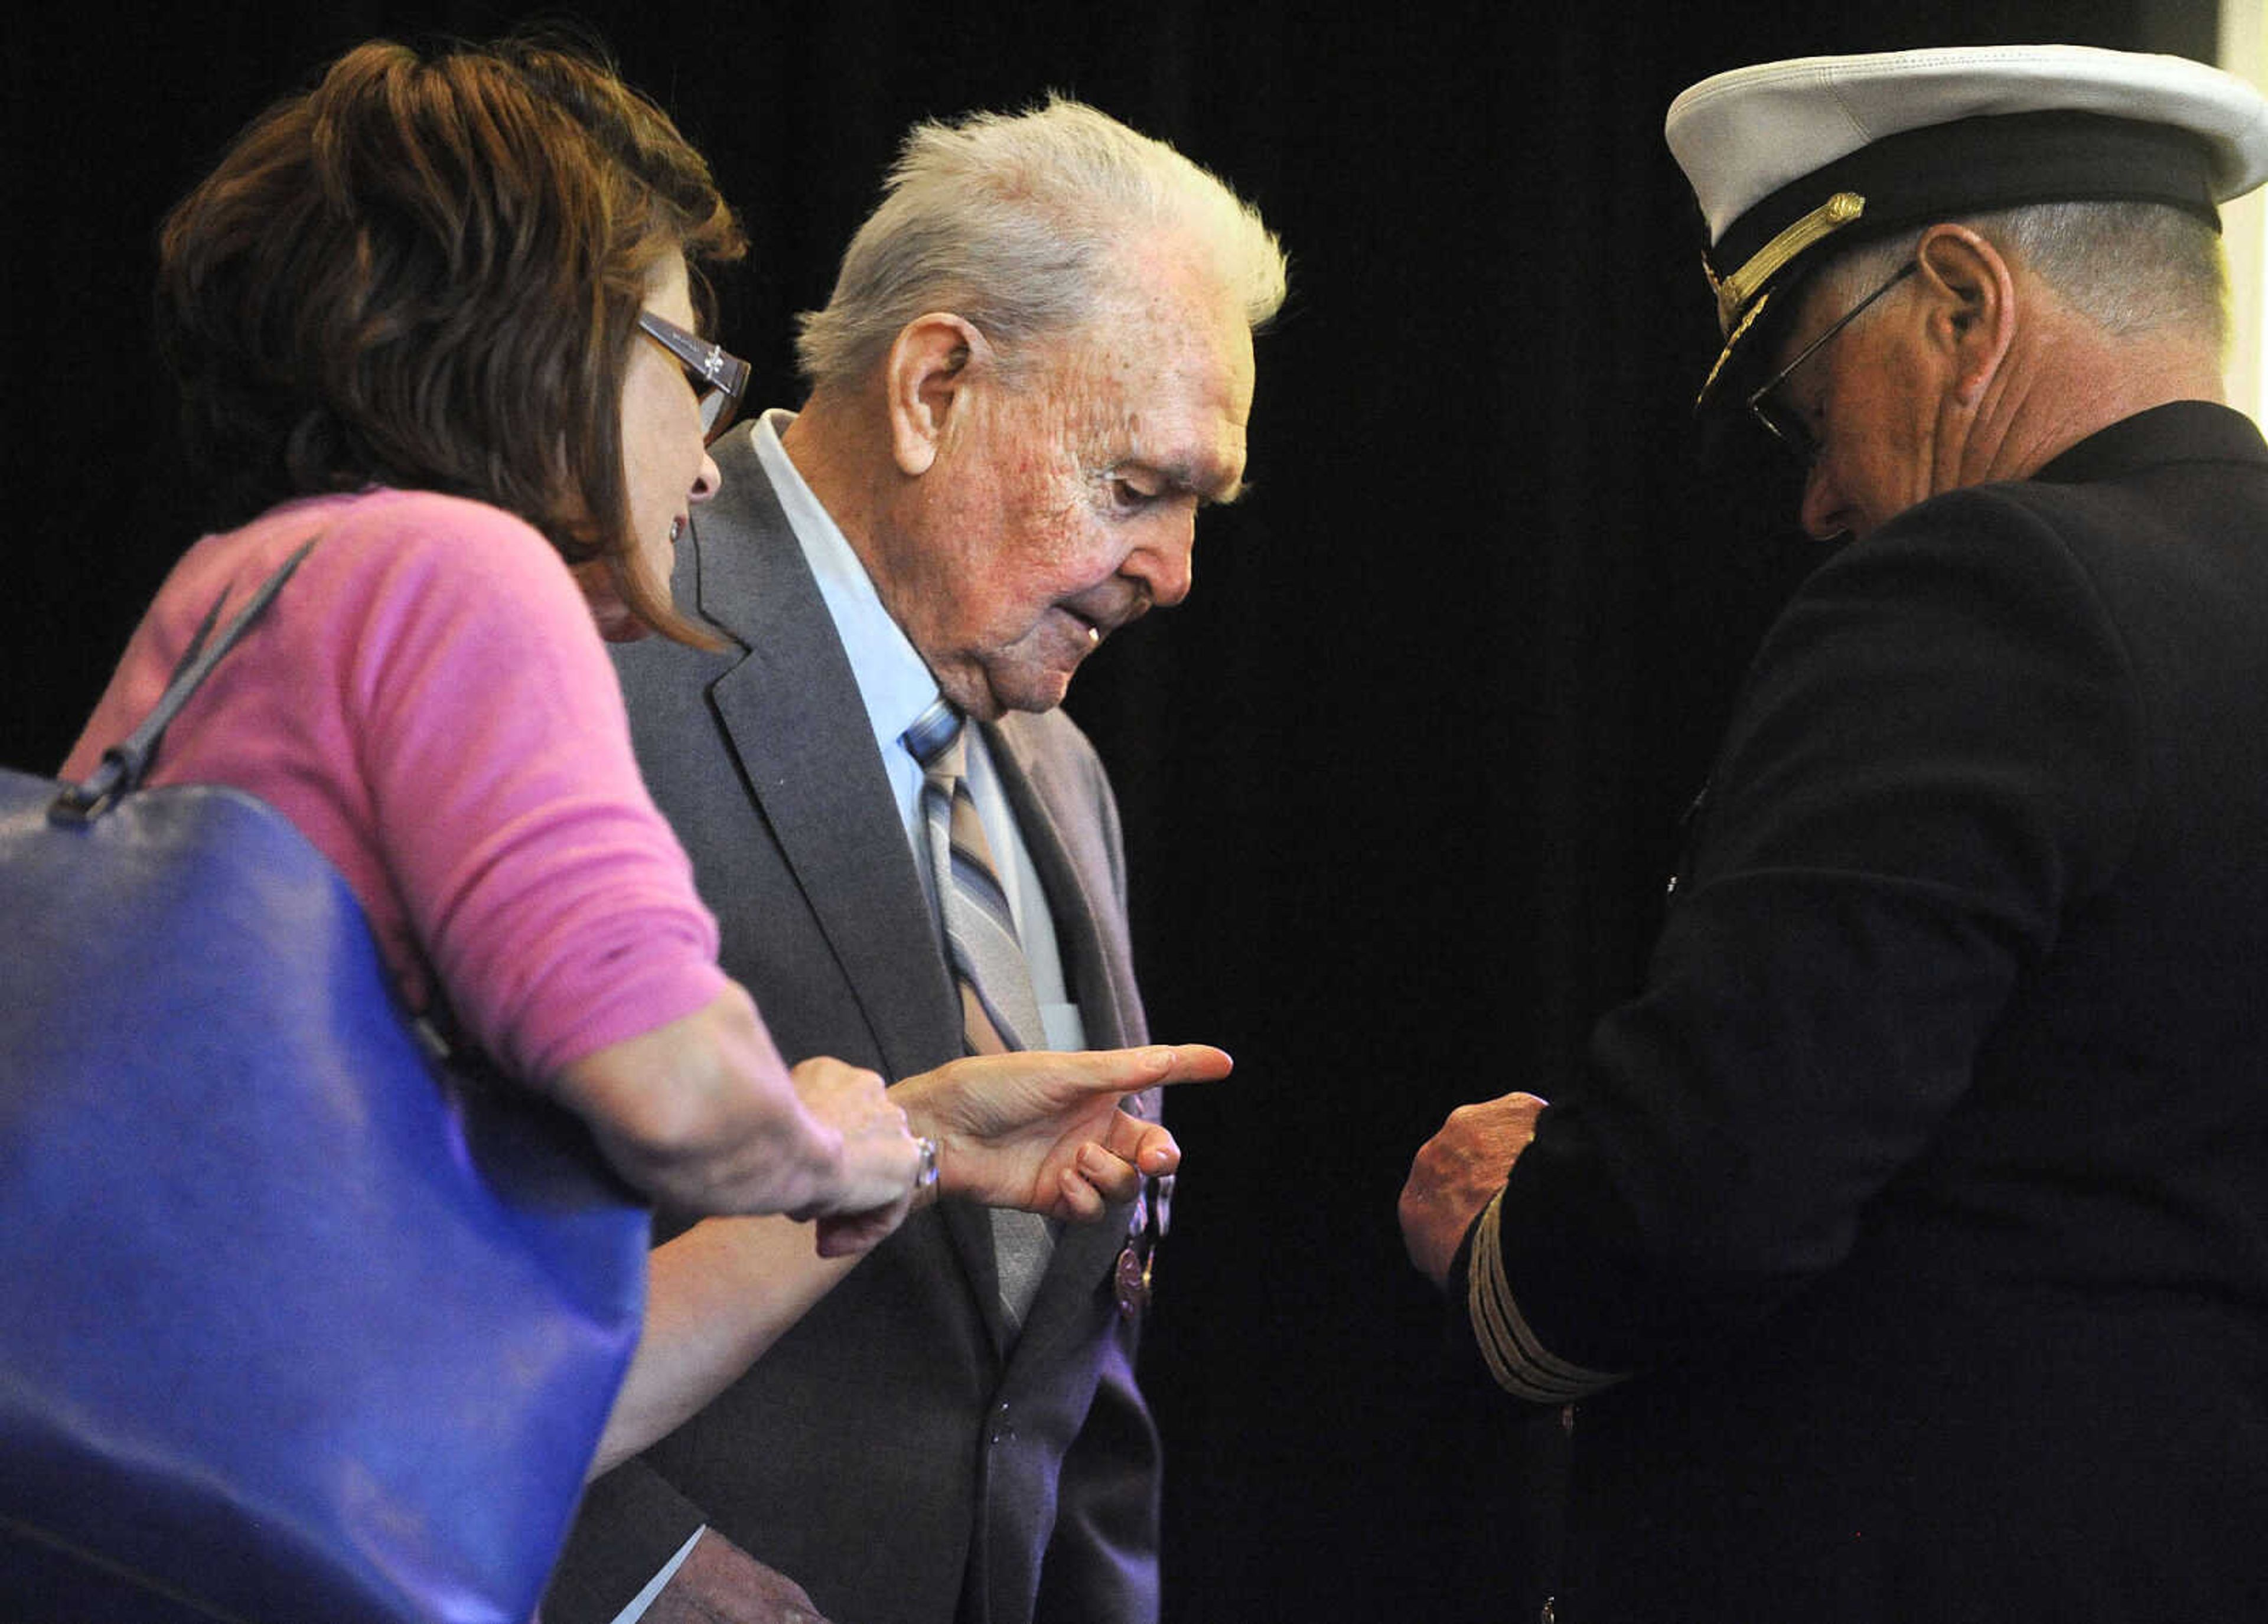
(1793, 161)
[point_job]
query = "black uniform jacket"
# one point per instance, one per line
(1924, 1190)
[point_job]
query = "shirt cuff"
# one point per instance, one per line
(654, 1586)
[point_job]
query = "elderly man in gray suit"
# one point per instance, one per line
(1036, 366)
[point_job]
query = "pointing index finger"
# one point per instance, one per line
(1184, 1063)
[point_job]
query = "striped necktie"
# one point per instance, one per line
(998, 1010)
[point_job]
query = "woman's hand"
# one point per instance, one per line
(1042, 1130)
(703, 1116)
(879, 1156)
(1036, 1130)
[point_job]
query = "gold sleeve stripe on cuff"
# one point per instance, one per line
(1520, 1363)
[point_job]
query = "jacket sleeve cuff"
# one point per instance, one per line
(1521, 1365)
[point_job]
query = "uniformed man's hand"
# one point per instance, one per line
(1456, 1173)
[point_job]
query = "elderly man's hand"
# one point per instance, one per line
(1456, 1172)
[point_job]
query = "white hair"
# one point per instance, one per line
(2132, 268)
(1023, 225)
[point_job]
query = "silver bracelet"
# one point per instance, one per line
(925, 1177)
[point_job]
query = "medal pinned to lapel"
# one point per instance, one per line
(1133, 1281)
(1145, 1227)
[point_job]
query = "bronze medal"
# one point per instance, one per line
(1133, 1281)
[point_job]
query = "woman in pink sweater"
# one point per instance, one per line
(439, 316)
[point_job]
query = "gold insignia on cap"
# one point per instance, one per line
(1731, 343)
(1735, 291)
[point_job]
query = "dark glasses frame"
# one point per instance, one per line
(1782, 424)
(719, 379)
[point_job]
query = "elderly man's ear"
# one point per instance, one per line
(1972, 295)
(926, 375)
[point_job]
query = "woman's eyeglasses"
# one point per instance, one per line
(718, 379)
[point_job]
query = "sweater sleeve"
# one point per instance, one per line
(537, 877)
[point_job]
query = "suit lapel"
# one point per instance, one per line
(792, 713)
(794, 717)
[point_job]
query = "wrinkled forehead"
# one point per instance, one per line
(1175, 313)
(1168, 369)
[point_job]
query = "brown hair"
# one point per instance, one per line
(426, 272)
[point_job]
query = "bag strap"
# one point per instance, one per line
(124, 763)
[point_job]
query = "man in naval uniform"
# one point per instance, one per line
(1901, 1250)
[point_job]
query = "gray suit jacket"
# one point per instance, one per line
(886, 1453)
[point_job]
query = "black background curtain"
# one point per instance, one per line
(1399, 781)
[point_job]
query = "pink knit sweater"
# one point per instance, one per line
(428, 702)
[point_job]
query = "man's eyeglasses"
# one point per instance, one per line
(718, 379)
(1784, 425)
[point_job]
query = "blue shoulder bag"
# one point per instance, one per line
(307, 1322)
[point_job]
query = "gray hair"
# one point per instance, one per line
(2132, 268)
(1021, 225)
